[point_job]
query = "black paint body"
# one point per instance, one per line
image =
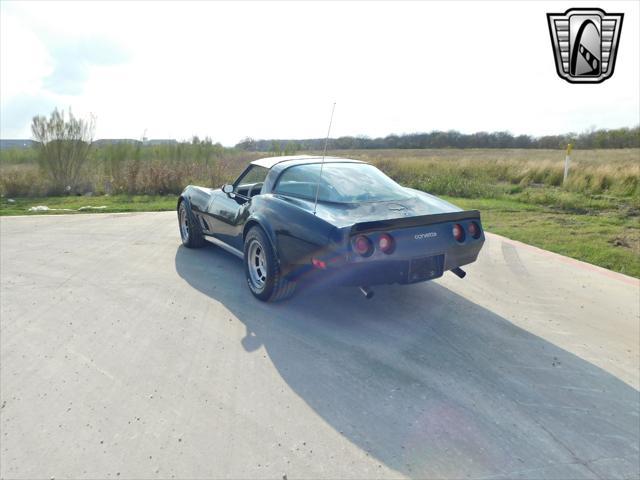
(421, 227)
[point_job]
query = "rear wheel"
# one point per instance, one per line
(264, 277)
(190, 231)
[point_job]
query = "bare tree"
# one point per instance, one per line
(64, 146)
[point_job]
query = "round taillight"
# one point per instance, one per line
(474, 230)
(458, 232)
(362, 246)
(386, 243)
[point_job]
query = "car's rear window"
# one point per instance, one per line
(340, 183)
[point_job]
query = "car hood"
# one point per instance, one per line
(347, 214)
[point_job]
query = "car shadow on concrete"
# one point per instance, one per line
(431, 384)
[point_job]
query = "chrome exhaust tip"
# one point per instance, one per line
(459, 272)
(367, 292)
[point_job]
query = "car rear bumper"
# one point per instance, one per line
(340, 270)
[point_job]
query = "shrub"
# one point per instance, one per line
(21, 181)
(63, 147)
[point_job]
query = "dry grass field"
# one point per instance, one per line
(489, 172)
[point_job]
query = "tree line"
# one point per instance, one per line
(615, 138)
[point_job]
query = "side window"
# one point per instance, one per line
(255, 175)
(299, 181)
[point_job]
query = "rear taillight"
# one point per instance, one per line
(458, 232)
(386, 243)
(316, 262)
(474, 230)
(362, 245)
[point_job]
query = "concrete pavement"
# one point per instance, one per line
(125, 355)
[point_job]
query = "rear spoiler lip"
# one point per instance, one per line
(419, 221)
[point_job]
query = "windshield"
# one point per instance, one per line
(340, 183)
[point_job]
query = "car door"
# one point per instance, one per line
(230, 210)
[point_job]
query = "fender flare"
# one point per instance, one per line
(257, 220)
(184, 199)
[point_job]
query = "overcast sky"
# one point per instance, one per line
(272, 70)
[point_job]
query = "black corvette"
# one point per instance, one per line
(295, 217)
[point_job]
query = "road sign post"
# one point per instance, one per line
(567, 161)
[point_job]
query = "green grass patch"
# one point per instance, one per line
(72, 204)
(608, 238)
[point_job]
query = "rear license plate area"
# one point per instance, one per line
(426, 268)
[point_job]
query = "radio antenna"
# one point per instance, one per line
(324, 153)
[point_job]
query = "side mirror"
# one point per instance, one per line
(226, 188)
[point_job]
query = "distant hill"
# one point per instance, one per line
(15, 143)
(6, 143)
(113, 141)
(160, 141)
(151, 141)
(614, 138)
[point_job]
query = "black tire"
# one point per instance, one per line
(190, 231)
(260, 260)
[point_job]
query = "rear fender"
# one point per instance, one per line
(295, 234)
(257, 220)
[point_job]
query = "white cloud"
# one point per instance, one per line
(270, 69)
(24, 59)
